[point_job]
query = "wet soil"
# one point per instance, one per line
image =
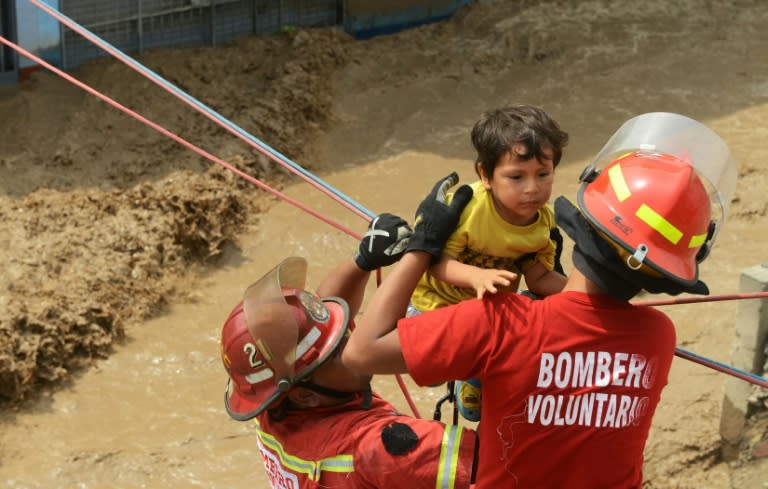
(123, 251)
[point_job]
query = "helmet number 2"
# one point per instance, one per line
(251, 350)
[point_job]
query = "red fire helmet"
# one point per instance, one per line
(659, 191)
(276, 336)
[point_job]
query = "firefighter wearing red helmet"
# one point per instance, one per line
(571, 381)
(277, 336)
(318, 423)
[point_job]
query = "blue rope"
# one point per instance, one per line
(179, 92)
(737, 372)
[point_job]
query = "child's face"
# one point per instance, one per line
(520, 187)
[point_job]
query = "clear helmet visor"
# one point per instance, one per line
(273, 322)
(687, 140)
(294, 331)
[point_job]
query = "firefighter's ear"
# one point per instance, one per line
(303, 397)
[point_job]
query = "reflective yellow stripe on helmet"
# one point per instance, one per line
(618, 183)
(449, 457)
(697, 240)
(652, 218)
(656, 221)
(312, 469)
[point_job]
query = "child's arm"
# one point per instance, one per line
(460, 274)
(542, 282)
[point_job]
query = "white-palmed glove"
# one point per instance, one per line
(383, 243)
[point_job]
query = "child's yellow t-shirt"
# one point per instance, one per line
(483, 239)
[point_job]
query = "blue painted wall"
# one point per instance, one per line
(367, 18)
(41, 34)
(37, 32)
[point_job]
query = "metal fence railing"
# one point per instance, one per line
(7, 55)
(135, 25)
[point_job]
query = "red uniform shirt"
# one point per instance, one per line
(570, 383)
(343, 447)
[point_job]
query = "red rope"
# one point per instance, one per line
(723, 368)
(176, 138)
(120, 56)
(202, 153)
(708, 298)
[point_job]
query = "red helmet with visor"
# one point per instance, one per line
(660, 190)
(276, 336)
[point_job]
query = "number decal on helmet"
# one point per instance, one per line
(251, 350)
(260, 371)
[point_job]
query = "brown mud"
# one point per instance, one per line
(123, 251)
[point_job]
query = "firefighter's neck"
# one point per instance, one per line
(578, 282)
(303, 398)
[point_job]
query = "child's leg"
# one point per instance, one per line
(411, 311)
(469, 398)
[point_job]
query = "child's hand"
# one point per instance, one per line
(487, 279)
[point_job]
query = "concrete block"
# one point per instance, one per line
(748, 353)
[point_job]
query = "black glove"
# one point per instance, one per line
(435, 219)
(557, 237)
(384, 242)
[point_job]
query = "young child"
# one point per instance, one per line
(507, 230)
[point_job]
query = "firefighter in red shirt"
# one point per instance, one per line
(318, 423)
(570, 382)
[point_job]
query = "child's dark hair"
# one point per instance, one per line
(500, 129)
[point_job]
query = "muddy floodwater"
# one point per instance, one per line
(123, 253)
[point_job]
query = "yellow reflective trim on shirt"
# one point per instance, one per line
(697, 240)
(657, 222)
(449, 457)
(312, 469)
(618, 183)
(339, 463)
